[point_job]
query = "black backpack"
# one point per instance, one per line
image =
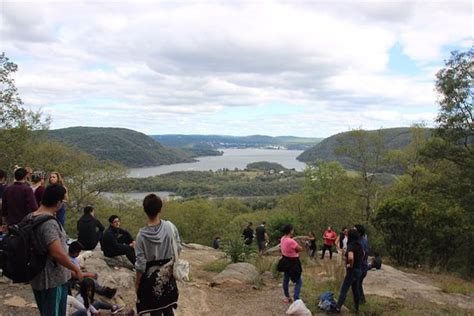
(21, 258)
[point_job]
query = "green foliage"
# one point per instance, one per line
(124, 146)
(16, 122)
(399, 223)
(209, 183)
(216, 266)
(234, 247)
(266, 166)
(275, 223)
(198, 220)
(455, 90)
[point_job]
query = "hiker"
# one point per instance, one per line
(84, 304)
(329, 238)
(55, 178)
(216, 243)
(311, 243)
(18, 199)
(290, 263)
(248, 234)
(365, 260)
(50, 286)
(354, 256)
(89, 229)
(262, 237)
(3, 185)
(117, 241)
(341, 241)
(157, 291)
(74, 251)
(376, 262)
(37, 185)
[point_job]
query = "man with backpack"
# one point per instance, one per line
(50, 286)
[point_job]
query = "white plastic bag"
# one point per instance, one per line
(298, 308)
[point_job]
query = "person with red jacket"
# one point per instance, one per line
(329, 238)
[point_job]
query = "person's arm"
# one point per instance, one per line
(298, 248)
(100, 226)
(350, 259)
(140, 263)
(137, 280)
(66, 196)
(56, 252)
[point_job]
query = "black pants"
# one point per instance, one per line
(164, 312)
(326, 247)
(120, 250)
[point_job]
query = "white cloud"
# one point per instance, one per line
(182, 64)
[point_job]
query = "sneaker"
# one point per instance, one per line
(117, 308)
(287, 300)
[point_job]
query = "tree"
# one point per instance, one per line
(16, 122)
(365, 152)
(455, 91)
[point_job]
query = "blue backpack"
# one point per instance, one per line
(327, 302)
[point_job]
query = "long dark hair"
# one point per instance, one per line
(87, 284)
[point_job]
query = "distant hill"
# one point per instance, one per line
(128, 147)
(394, 138)
(224, 141)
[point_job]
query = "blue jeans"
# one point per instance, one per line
(286, 286)
(52, 302)
(351, 280)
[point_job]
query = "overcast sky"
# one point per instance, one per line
(306, 68)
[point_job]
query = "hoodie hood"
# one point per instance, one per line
(157, 234)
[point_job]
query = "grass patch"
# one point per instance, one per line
(263, 263)
(216, 266)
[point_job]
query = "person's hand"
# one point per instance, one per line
(132, 244)
(79, 275)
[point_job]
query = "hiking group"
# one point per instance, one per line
(352, 244)
(34, 249)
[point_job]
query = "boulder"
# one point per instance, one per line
(236, 273)
(197, 247)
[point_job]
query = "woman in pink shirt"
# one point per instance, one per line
(290, 263)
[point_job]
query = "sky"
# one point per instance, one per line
(304, 68)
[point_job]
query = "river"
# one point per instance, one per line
(231, 159)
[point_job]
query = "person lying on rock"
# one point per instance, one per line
(75, 249)
(117, 241)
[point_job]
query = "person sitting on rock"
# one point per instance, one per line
(89, 229)
(117, 241)
(75, 249)
(85, 304)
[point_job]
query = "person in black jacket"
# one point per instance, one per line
(117, 241)
(89, 229)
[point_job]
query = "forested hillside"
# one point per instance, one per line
(223, 141)
(128, 147)
(330, 148)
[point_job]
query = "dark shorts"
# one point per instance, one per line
(52, 302)
(261, 245)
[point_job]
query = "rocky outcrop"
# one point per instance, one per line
(236, 273)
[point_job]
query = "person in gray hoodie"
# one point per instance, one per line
(157, 291)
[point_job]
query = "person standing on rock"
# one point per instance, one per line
(262, 237)
(50, 287)
(18, 199)
(365, 261)
(290, 263)
(55, 178)
(354, 256)
(157, 291)
(329, 238)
